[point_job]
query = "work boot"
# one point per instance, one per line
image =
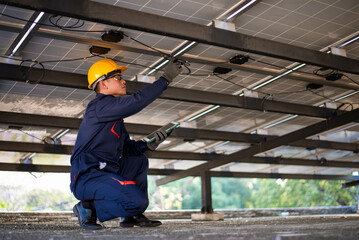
(139, 220)
(87, 217)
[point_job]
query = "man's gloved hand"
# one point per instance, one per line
(172, 70)
(160, 137)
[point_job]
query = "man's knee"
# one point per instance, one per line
(137, 206)
(142, 205)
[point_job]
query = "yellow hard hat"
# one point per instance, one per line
(101, 70)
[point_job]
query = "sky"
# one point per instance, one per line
(45, 181)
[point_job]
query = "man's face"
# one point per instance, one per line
(116, 85)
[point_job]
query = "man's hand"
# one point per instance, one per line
(172, 70)
(160, 137)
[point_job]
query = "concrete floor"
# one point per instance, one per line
(277, 228)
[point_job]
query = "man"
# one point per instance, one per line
(108, 169)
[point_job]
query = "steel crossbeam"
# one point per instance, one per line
(151, 23)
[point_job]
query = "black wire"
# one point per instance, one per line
(316, 72)
(26, 74)
(332, 100)
(267, 95)
(4, 130)
(121, 61)
(270, 64)
(292, 92)
(50, 61)
(29, 134)
(49, 25)
(197, 75)
(264, 93)
(165, 55)
(278, 66)
(75, 25)
(217, 75)
(350, 79)
(349, 104)
(71, 59)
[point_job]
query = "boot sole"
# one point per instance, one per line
(127, 225)
(87, 227)
(130, 225)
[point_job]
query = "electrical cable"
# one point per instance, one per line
(236, 84)
(332, 100)
(121, 61)
(267, 94)
(75, 25)
(70, 28)
(26, 74)
(29, 134)
(165, 55)
(78, 24)
(41, 64)
(351, 79)
(278, 66)
(349, 104)
(4, 130)
(36, 176)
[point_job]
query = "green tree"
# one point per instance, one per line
(18, 199)
(3, 205)
(272, 193)
(181, 194)
(230, 193)
(40, 200)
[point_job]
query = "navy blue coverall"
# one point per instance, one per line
(106, 165)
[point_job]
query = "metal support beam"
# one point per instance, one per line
(66, 169)
(35, 147)
(312, 144)
(206, 192)
(76, 38)
(266, 146)
(123, 17)
(280, 175)
(67, 150)
(350, 184)
(64, 79)
(22, 119)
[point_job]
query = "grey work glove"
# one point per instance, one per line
(172, 70)
(160, 137)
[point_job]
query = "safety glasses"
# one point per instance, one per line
(116, 76)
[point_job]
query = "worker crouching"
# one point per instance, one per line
(108, 169)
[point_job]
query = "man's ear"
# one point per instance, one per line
(102, 85)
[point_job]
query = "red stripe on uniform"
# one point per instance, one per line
(112, 130)
(124, 182)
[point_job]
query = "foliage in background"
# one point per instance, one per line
(233, 193)
(227, 193)
(301, 193)
(18, 199)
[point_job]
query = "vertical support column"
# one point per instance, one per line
(206, 191)
(357, 203)
(207, 213)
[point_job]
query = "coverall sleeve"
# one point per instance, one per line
(113, 108)
(132, 147)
